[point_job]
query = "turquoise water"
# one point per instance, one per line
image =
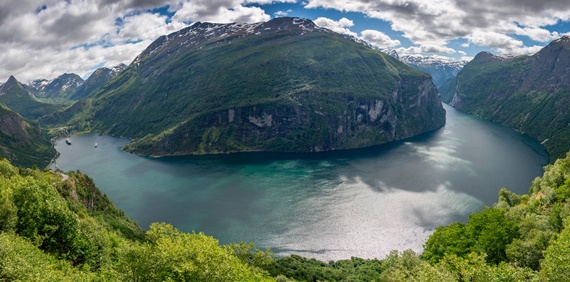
(333, 205)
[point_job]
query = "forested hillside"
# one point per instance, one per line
(56, 226)
(528, 93)
(23, 142)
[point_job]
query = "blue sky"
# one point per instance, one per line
(45, 38)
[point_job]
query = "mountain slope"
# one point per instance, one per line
(283, 85)
(15, 97)
(528, 93)
(96, 81)
(23, 142)
(440, 70)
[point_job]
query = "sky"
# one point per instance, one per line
(46, 38)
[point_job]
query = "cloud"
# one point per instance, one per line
(267, 2)
(45, 38)
(436, 22)
(145, 27)
(219, 11)
(282, 13)
(340, 26)
(426, 48)
(379, 39)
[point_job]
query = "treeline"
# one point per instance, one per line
(58, 227)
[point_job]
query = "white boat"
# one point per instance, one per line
(67, 141)
(95, 145)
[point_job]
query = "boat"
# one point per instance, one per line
(95, 145)
(67, 141)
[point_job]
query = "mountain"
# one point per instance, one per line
(17, 98)
(96, 81)
(528, 93)
(439, 69)
(61, 87)
(23, 142)
(282, 85)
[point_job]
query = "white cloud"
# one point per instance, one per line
(219, 11)
(379, 39)
(282, 13)
(340, 26)
(426, 49)
(146, 27)
(45, 38)
(436, 22)
(267, 2)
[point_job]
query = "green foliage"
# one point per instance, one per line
(488, 231)
(20, 260)
(555, 266)
(250, 255)
(304, 269)
(491, 232)
(171, 255)
(451, 239)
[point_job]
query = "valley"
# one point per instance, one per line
(307, 139)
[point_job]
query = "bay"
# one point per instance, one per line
(329, 206)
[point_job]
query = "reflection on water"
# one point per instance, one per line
(332, 205)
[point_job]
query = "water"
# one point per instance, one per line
(328, 206)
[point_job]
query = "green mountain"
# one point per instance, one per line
(528, 93)
(14, 96)
(23, 142)
(282, 85)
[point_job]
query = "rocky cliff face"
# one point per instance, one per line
(283, 85)
(528, 93)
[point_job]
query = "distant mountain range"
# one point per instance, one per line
(282, 85)
(70, 86)
(528, 93)
(440, 69)
(60, 87)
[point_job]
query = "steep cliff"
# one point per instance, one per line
(282, 85)
(528, 93)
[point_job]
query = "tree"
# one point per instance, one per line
(556, 266)
(492, 232)
(451, 239)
